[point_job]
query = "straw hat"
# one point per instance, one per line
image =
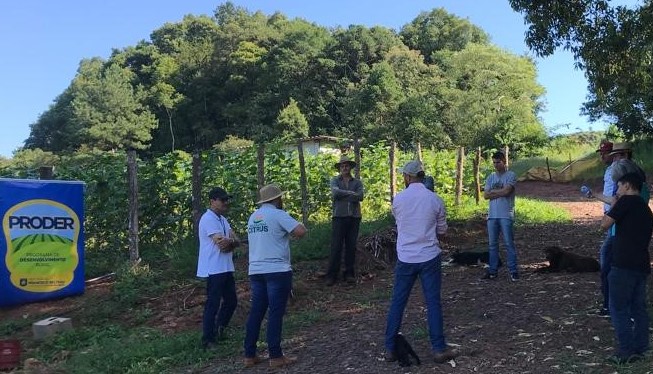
(345, 160)
(268, 193)
(620, 148)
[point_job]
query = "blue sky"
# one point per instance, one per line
(43, 41)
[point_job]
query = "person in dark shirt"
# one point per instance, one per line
(631, 266)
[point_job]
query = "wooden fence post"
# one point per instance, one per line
(418, 151)
(477, 176)
(196, 192)
(460, 164)
(357, 158)
(302, 182)
(393, 164)
(505, 152)
(132, 176)
(260, 167)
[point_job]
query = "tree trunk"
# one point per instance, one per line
(477, 176)
(393, 166)
(132, 176)
(460, 164)
(172, 133)
(260, 167)
(302, 182)
(196, 193)
(357, 158)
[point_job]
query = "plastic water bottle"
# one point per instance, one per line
(586, 191)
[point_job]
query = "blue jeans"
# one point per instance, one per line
(220, 288)
(628, 300)
(503, 226)
(605, 257)
(430, 277)
(270, 294)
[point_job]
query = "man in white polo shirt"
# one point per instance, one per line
(215, 263)
(421, 219)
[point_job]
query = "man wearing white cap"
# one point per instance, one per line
(269, 230)
(421, 220)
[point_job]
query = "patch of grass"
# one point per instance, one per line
(527, 211)
(8, 328)
(532, 211)
(115, 349)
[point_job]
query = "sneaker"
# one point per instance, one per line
(514, 277)
(252, 361)
(350, 279)
(489, 275)
(604, 312)
(330, 281)
(281, 362)
(446, 355)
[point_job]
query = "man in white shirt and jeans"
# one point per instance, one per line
(215, 263)
(421, 219)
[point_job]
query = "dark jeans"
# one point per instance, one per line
(270, 294)
(219, 288)
(344, 230)
(430, 277)
(605, 258)
(628, 310)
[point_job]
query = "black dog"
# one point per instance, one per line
(404, 351)
(471, 258)
(561, 260)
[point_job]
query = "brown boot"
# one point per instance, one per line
(252, 361)
(444, 356)
(281, 362)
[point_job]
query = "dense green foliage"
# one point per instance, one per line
(257, 77)
(612, 43)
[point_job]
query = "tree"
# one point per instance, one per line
(611, 43)
(291, 123)
(438, 30)
(491, 98)
(108, 109)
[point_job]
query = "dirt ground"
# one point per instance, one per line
(545, 323)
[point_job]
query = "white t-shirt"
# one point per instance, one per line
(268, 231)
(211, 260)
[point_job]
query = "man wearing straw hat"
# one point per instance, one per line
(347, 194)
(269, 229)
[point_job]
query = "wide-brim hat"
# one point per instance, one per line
(268, 193)
(621, 147)
(345, 160)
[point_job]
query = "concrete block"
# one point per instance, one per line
(50, 326)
